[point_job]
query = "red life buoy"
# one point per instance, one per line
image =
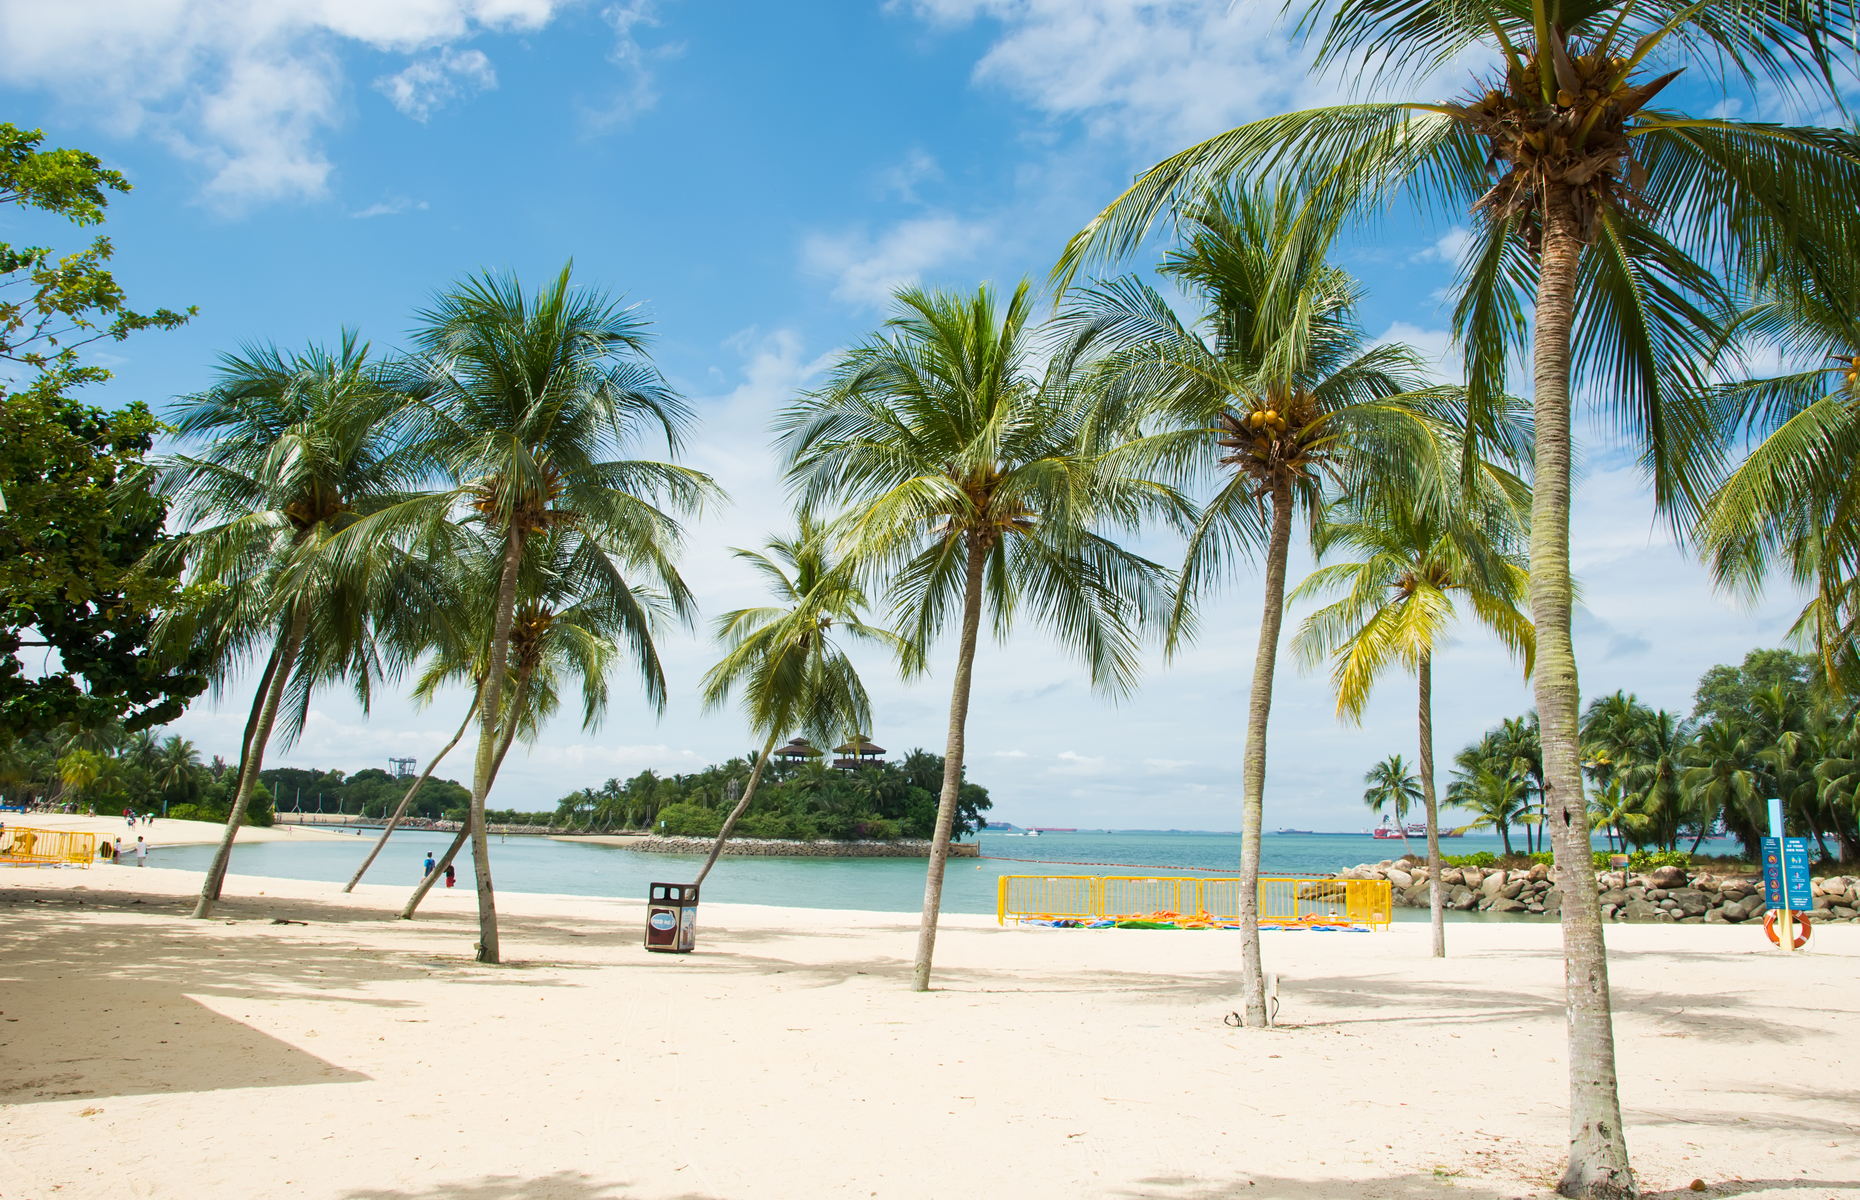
(1802, 928)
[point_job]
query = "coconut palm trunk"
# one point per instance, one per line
(1253, 769)
(1598, 1160)
(488, 737)
(471, 823)
(254, 760)
(1436, 901)
(401, 809)
(952, 764)
(742, 806)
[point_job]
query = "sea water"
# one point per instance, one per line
(579, 868)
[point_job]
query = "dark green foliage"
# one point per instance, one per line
(370, 792)
(1724, 692)
(75, 510)
(881, 801)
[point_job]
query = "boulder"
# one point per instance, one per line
(1553, 901)
(1608, 912)
(1657, 894)
(1511, 890)
(1452, 877)
(1415, 896)
(1636, 892)
(1692, 901)
(1714, 916)
(1386, 863)
(1504, 905)
(1639, 910)
(1400, 878)
(1705, 881)
(1463, 898)
(1539, 873)
(1733, 889)
(1667, 877)
(1472, 876)
(1614, 896)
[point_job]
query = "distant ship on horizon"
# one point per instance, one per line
(1293, 831)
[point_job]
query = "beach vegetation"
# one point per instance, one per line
(967, 478)
(1417, 557)
(1272, 396)
(1612, 223)
(789, 666)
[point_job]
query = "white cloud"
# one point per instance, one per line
(902, 180)
(1450, 249)
(389, 208)
(244, 88)
(639, 91)
(431, 83)
(1436, 347)
(1072, 763)
(1157, 74)
(867, 270)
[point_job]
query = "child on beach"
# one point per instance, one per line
(429, 865)
(451, 874)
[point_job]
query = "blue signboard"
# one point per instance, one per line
(1785, 860)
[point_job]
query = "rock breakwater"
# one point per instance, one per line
(1673, 894)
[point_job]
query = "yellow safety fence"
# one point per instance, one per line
(1283, 902)
(46, 848)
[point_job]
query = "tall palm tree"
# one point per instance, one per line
(784, 659)
(177, 764)
(576, 616)
(968, 480)
(529, 398)
(1278, 398)
(1612, 223)
(303, 448)
(1398, 605)
(1392, 788)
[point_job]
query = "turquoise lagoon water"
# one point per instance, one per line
(534, 864)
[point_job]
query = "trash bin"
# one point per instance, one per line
(671, 918)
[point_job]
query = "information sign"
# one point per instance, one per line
(1785, 860)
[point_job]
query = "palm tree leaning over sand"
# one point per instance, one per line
(968, 481)
(304, 448)
(1616, 222)
(783, 658)
(1282, 403)
(1392, 788)
(528, 398)
(575, 618)
(1398, 603)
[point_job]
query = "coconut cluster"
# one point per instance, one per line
(1573, 133)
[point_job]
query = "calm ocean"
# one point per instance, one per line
(530, 864)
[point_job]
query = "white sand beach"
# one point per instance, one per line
(164, 832)
(354, 1057)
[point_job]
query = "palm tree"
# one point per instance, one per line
(1399, 602)
(1284, 403)
(528, 398)
(784, 659)
(1718, 779)
(1795, 498)
(1496, 800)
(1615, 222)
(176, 766)
(969, 480)
(575, 616)
(304, 448)
(1392, 787)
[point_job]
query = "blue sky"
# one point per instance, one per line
(759, 177)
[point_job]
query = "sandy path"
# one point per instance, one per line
(356, 1058)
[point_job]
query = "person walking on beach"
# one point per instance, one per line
(429, 865)
(451, 874)
(142, 853)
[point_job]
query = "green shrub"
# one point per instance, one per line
(1543, 858)
(1483, 858)
(1647, 860)
(689, 820)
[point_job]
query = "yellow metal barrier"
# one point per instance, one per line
(46, 848)
(1283, 902)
